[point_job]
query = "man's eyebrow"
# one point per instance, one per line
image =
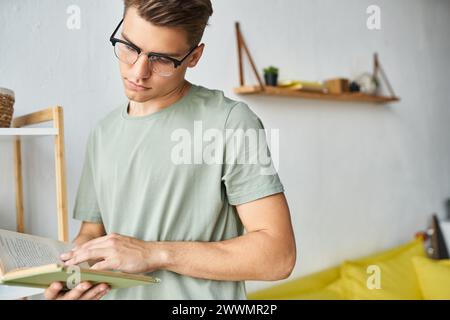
(126, 38)
(163, 53)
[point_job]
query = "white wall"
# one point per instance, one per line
(359, 178)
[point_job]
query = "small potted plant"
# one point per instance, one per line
(271, 76)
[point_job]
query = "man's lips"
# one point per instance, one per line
(134, 86)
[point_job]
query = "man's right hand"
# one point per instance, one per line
(83, 291)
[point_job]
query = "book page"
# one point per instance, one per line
(18, 251)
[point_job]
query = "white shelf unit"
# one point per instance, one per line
(28, 132)
(21, 129)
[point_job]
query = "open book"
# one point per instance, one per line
(32, 261)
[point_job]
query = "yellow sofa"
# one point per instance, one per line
(400, 273)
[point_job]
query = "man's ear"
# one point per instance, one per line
(196, 55)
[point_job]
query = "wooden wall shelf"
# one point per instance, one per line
(261, 89)
(347, 97)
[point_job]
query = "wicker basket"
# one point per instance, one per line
(6, 107)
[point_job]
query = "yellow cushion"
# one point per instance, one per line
(434, 278)
(324, 285)
(331, 292)
(396, 274)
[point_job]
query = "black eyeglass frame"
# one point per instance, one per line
(176, 62)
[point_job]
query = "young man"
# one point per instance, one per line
(146, 211)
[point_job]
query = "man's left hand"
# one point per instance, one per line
(115, 252)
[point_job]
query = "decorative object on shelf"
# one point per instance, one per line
(368, 83)
(302, 85)
(337, 86)
(348, 95)
(6, 107)
(354, 87)
(271, 76)
(435, 239)
(438, 240)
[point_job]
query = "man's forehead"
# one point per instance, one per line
(150, 38)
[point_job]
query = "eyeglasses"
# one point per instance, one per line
(160, 63)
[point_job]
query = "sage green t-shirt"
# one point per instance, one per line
(150, 177)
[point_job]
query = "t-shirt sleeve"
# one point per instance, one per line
(86, 203)
(248, 171)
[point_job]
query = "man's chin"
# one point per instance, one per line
(138, 97)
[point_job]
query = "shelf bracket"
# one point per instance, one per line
(241, 45)
(378, 69)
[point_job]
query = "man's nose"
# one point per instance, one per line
(141, 68)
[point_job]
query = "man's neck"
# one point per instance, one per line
(137, 109)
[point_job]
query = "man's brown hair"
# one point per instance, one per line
(191, 16)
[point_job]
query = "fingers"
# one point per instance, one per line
(96, 292)
(101, 242)
(102, 265)
(95, 242)
(69, 255)
(100, 295)
(83, 291)
(83, 255)
(53, 291)
(77, 292)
